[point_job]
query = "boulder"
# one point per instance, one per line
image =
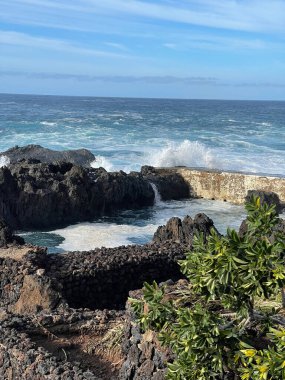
(170, 184)
(39, 195)
(268, 197)
(183, 231)
(36, 153)
(7, 237)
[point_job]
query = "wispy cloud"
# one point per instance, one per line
(25, 40)
(250, 15)
(116, 46)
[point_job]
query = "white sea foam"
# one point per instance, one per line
(187, 153)
(48, 123)
(87, 236)
(4, 161)
(102, 162)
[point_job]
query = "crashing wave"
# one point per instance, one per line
(4, 161)
(187, 153)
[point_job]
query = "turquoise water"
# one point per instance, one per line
(125, 134)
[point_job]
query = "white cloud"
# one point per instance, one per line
(26, 40)
(250, 15)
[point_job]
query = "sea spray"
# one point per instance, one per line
(188, 153)
(4, 161)
(102, 162)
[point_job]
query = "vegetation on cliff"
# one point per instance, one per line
(229, 323)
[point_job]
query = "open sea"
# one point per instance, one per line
(125, 134)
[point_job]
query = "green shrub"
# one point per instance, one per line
(215, 332)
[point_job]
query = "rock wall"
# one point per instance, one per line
(144, 357)
(34, 281)
(103, 278)
(229, 186)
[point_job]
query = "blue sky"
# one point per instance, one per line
(212, 49)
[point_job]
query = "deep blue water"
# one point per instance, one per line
(128, 133)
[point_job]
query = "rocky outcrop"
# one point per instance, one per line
(37, 195)
(81, 157)
(7, 238)
(170, 184)
(183, 231)
(268, 197)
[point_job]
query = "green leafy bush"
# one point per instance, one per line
(216, 331)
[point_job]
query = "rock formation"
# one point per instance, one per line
(7, 238)
(37, 195)
(82, 157)
(268, 197)
(183, 231)
(170, 184)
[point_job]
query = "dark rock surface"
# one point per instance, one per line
(170, 184)
(30, 350)
(144, 357)
(37, 195)
(268, 197)
(183, 231)
(7, 237)
(81, 157)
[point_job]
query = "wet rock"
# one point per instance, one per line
(170, 184)
(36, 153)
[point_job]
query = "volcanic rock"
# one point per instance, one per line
(38, 195)
(183, 231)
(32, 152)
(7, 237)
(170, 184)
(268, 197)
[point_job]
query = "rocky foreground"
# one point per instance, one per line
(63, 316)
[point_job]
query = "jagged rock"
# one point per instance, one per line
(266, 197)
(170, 184)
(37, 196)
(7, 237)
(36, 153)
(183, 231)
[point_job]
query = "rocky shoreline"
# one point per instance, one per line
(63, 316)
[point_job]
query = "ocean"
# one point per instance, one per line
(125, 134)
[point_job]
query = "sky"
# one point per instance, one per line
(197, 49)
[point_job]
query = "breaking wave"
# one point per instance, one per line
(102, 162)
(4, 161)
(187, 153)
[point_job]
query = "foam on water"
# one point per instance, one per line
(138, 226)
(4, 161)
(87, 236)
